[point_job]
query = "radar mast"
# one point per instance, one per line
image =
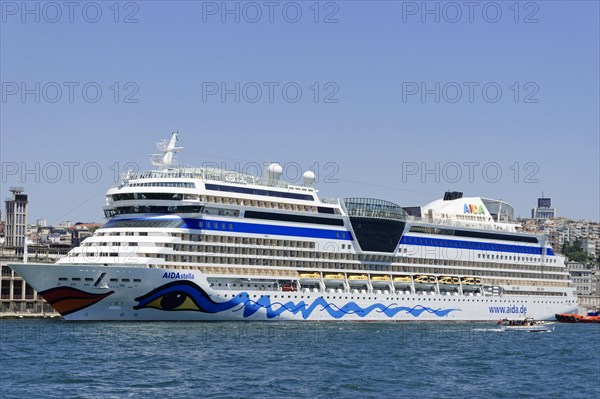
(168, 148)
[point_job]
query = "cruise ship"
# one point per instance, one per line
(208, 244)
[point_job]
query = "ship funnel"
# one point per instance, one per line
(452, 195)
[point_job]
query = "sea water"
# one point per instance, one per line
(57, 359)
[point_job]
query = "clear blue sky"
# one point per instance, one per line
(379, 134)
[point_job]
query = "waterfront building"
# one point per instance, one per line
(16, 219)
(18, 296)
(544, 209)
(582, 277)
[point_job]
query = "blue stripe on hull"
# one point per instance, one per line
(482, 246)
(256, 228)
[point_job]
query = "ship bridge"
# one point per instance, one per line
(377, 224)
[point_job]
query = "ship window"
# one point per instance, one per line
(174, 223)
(293, 218)
(62, 279)
(270, 193)
(137, 280)
(322, 209)
(125, 280)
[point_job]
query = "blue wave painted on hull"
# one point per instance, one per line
(277, 308)
(187, 296)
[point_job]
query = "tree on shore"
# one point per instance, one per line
(575, 253)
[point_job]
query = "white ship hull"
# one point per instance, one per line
(185, 243)
(161, 294)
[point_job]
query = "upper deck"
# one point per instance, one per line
(208, 175)
(197, 185)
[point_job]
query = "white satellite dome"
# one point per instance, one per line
(309, 178)
(274, 171)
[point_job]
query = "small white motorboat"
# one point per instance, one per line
(528, 324)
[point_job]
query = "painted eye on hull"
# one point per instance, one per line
(177, 295)
(177, 300)
(173, 300)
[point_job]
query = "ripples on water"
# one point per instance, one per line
(53, 358)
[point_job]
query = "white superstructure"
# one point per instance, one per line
(209, 244)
